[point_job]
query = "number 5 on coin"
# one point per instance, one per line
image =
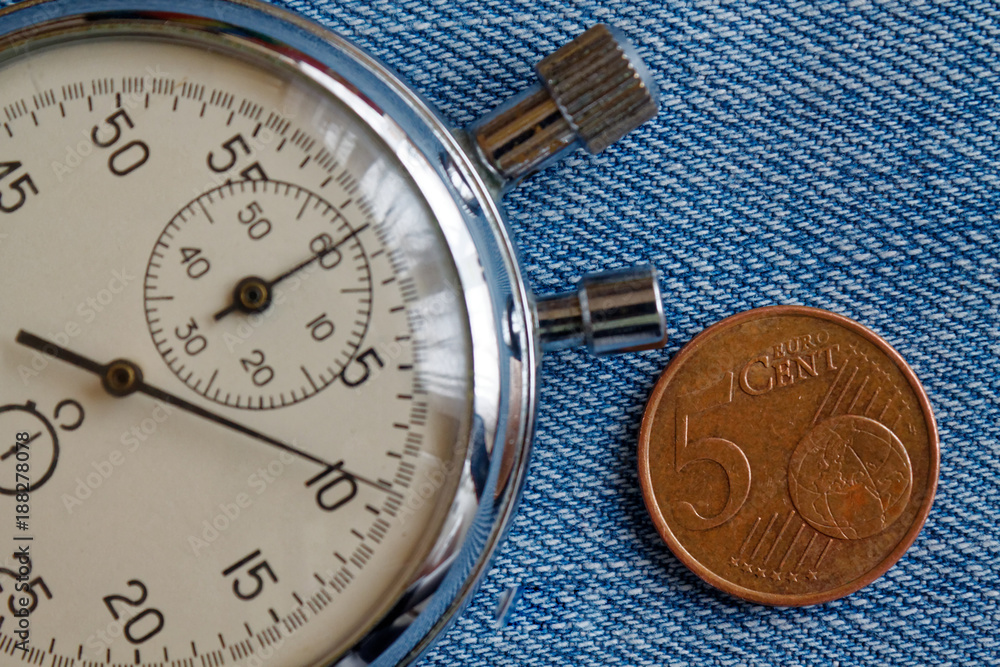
(717, 450)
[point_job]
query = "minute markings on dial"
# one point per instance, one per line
(176, 91)
(353, 559)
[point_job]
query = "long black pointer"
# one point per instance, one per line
(140, 385)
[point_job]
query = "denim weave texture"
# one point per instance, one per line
(842, 155)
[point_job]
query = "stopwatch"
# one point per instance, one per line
(269, 363)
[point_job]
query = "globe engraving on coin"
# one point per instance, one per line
(788, 456)
(850, 477)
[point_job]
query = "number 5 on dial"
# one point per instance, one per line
(723, 452)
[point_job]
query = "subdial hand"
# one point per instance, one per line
(21, 445)
(121, 378)
(253, 294)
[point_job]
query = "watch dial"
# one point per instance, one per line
(253, 248)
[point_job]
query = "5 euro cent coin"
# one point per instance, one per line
(788, 456)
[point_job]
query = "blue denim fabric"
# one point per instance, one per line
(838, 155)
(842, 155)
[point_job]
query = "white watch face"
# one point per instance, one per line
(255, 250)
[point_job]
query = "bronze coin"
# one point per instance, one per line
(788, 456)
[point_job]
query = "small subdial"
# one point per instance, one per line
(259, 293)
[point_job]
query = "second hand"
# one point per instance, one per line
(121, 378)
(10, 452)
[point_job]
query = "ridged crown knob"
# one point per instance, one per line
(593, 91)
(600, 87)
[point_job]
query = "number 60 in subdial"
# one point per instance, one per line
(259, 293)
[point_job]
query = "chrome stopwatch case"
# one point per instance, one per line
(268, 362)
